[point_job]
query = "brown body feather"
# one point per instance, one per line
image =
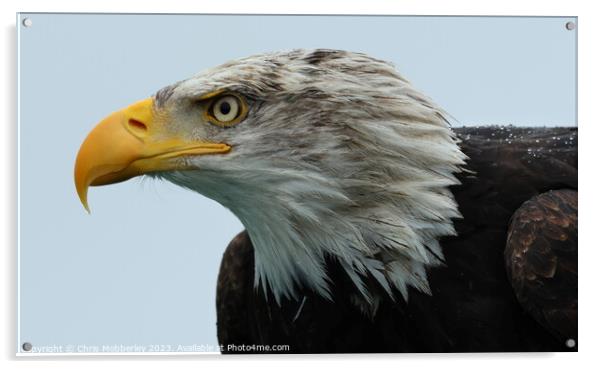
(541, 260)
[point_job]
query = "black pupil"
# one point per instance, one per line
(224, 108)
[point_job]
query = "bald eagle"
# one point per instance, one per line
(370, 224)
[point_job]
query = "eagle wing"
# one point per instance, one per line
(541, 260)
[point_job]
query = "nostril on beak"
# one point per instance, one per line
(137, 127)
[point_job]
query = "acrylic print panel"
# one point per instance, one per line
(339, 169)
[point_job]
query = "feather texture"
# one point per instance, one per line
(339, 151)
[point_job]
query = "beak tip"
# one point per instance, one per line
(82, 193)
(84, 202)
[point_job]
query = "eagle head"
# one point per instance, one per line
(322, 155)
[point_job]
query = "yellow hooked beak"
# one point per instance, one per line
(129, 143)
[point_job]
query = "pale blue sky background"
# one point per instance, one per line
(142, 268)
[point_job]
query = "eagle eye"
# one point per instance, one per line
(226, 110)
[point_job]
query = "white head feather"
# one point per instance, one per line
(339, 157)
